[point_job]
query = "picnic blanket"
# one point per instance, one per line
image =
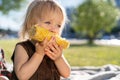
(106, 72)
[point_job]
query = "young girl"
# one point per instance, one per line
(44, 60)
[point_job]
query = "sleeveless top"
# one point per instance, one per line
(46, 70)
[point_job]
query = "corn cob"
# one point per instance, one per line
(39, 33)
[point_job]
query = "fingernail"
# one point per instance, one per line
(36, 44)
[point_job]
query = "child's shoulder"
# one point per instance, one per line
(24, 42)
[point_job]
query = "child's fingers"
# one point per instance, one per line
(55, 45)
(49, 53)
(52, 48)
(45, 41)
(52, 39)
(36, 44)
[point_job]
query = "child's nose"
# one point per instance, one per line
(52, 29)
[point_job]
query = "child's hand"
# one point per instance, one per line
(52, 49)
(40, 47)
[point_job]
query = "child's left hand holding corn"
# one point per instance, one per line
(52, 49)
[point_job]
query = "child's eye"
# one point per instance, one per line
(47, 22)
(59, 26)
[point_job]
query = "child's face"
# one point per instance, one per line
(52, 24)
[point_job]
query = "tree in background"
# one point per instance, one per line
(93, 16)
(7, 5)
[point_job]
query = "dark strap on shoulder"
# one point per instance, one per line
(28, 46)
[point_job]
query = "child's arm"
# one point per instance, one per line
(25, 68)
(54, 52)
(63, 67)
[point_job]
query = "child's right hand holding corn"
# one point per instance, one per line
(40, 46)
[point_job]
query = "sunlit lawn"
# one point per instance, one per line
(95, 55)
(8, 46)
(82, 55)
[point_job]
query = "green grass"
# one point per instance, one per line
(92, 56)
(82, 55)
(8, 46)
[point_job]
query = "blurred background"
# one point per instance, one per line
(93, 30)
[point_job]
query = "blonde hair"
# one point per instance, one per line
(40, 9)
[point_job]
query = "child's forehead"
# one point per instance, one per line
(52, 16)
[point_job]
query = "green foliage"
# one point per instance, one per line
(7, 5)
(93, 16)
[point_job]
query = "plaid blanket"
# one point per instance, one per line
(106, 72)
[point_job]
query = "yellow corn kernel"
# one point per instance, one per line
(39, 33)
